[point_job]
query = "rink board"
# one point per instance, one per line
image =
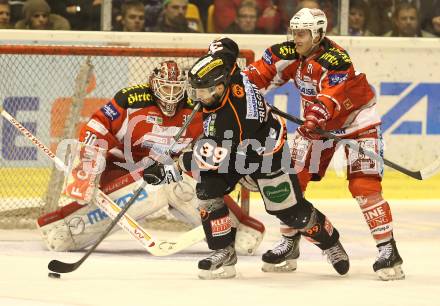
(395, 185)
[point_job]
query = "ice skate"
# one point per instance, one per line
(220, 264)
(337, 256)
(388, 264)
(282, 258)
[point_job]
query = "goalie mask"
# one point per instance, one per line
(168, 84)
(309, 19)
(204, 76)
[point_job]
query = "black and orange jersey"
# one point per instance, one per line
(132, 123)
(327, 76)
(241, 124)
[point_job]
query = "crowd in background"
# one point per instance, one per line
(404, 18)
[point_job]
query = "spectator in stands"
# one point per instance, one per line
(203, 6)
(357, 20)
(434, 26)
(153, 8)
(16, 7)
(37, 16)
(406, 22)
(424, 8)
(381, 14)
(172, 18)
(246, 22)
(271, 20)
(5, 15)
(91, 15)
(132, 16)
(73, 11)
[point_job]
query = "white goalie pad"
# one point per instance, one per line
(81, 228)
(86, 163)
(183, 201)
(247, 239)
(76, 227)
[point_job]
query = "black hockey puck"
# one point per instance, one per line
(54, 275)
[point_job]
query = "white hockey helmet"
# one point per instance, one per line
(310, 19)
(169, 84)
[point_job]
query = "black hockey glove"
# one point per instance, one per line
(158, 174)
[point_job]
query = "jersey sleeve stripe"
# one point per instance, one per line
(123, 129)
(237, 118)
(97, 126)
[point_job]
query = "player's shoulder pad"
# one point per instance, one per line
(284, 51)
(137, 96)
(334, 58)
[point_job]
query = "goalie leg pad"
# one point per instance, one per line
(247, 239)
(75, 227)
(55, 228)
(250, 231)
(183, 201)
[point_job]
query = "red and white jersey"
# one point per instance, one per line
(326, 75)
(132, 123)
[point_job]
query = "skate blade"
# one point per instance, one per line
(284, 267)
(394, 273)
(224, 272)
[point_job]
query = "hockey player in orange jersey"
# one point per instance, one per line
(337, 98)
(140, 121)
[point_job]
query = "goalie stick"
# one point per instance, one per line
(419, 175)
(155, 247)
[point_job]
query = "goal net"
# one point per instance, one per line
(52, 91)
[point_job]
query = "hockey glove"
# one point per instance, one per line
(316, 116)
(158, 174)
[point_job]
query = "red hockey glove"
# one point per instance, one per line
(316, 116)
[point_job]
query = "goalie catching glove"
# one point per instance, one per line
(158, 173)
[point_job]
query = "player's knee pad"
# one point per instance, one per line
(214, 187)
(250, 231)
(216, 223)
(280, 192)
(297, 216)
(364, 186)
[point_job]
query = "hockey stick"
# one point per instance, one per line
(419, 175)
(65, 267)
(112, 210)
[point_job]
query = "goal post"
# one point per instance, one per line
(53, 90)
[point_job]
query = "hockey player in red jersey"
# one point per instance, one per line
(337, 98)
(242, 137)
(140, 121)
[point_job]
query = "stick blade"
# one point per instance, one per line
(430, 170)
(61, 267)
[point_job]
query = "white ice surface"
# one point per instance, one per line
(122, 273)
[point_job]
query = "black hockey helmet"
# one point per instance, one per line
(205, 74)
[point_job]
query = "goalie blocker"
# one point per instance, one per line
(75, 226)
